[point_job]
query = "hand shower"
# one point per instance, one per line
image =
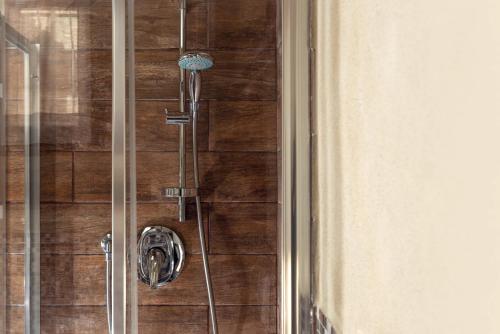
(194, 63)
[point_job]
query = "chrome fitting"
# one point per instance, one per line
(177, 118)
(180, 192)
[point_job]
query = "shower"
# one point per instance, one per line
(140, 148)
(160, 250)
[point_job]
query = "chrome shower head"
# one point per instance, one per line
(196, 61)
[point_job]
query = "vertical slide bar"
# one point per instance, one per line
(182, 103)
(3, 175)
(132, 170)
(119, 232)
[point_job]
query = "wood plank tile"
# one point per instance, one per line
(157, 24)
(58, 79)
(241, 75)
(94, 25)
(80, 280)
(94, 74)
(72, 320)
(92, 319)
(68, 74)
(56, 172)
(243, 126)
(72, 280)
(56, 176)
(243, 228)
(92, 176)
(64, 228)
(78, 228)
(54, 24)
(15, 228)
(226, 177)
(15, 74)
(157, 74)
(238, 177)
(244, 279)
(247, 319)
(15, 125)
(156, 171)
(242, 24)
(15, 280)
(76, 124)
(15, 176)
(154, 135)
(174, 319)
(197, 25)
(15, 320)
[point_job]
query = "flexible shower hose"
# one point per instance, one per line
(201, 230)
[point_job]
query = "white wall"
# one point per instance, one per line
(408, 163)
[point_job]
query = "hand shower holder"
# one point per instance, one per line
(177, 118)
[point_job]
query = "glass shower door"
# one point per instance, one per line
(66, 156)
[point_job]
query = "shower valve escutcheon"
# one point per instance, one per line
(160, 256)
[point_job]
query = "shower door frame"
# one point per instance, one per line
(31, 124)
(295, 252)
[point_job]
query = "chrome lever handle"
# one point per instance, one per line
(155, 262)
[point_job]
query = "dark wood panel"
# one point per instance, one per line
(15, 125)
(156, 24)
(224, 176)
(57, 75)
(79, 228)
(247, 319)
(76, 124)
(15, 280)
(241, 75)
(56, 172)
(68, 74)
(54, 25)
(15, 228)
(94, 74)
(157, 74)
(92, 176)
(80, 280)
(239, 177)
(242, 24)
(154, 135)
(15, 320)
(241, 228)
(15, 74)
(94, 19)
(173, 319)
(56, 176)
(15, 176)
(244, 279)
(243, 126)
(92, 320)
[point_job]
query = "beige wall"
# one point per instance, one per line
(408, 163)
